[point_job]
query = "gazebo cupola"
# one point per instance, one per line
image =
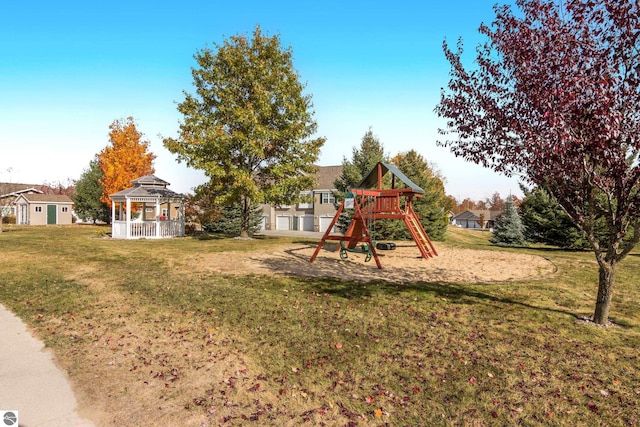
(148, 210)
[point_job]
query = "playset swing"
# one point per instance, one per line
(364, 248)
(370, 204)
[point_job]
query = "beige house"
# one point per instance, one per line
(313, 215)
(43, 209)
(475, 218)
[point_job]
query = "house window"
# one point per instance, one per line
(65, 209)
(327, 198)
(38, 208)
(164, 211)
(306, 205)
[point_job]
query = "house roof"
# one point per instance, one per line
(45, 198)
(474, 214)
(148, 186)
(371, 181)
(326, 175)
(9, 189)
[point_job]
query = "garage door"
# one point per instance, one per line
(306, 222)
(283, 223)
(324, 223)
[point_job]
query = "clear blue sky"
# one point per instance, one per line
(70, 68)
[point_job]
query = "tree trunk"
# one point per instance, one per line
(244, 219)
(607, 277)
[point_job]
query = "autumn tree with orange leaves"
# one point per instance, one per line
(125, 159)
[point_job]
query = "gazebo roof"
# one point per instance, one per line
(150, 180)
(147, 187)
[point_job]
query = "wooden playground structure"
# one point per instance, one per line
(371, 202)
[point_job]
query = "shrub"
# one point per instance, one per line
(9, 219)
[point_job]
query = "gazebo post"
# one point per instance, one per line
(128, 219)
(158, 217)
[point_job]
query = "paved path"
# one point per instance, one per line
(30, 382)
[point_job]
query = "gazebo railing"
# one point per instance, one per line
(148, 229)
(171, 228)
(119, 229)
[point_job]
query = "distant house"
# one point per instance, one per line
(315, 214)
(475, 218)
(8, 193)
(43, 209)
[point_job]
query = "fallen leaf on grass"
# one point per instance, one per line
(378, 413)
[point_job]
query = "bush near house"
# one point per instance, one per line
(9, 219)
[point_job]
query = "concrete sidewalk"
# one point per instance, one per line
(30, 382)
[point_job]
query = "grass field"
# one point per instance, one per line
(149, 340)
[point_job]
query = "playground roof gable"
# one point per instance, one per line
(371, 181)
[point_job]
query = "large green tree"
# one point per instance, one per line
(249, 125)
(88, 193)
(553, 96)
(432, 207)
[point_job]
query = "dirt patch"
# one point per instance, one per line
(404, 264)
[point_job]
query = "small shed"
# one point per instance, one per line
(148, 210)
(43, 209)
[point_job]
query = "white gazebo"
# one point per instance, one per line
(148, 210)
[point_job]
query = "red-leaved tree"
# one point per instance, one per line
(554, 97)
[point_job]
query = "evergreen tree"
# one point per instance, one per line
(229, 220)
(508, 229)
(546, 222)
(363, 160)
(88, 193)
(430, 208)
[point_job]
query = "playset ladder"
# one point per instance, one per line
(419, 235)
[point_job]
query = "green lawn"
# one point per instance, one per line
(149, 339)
